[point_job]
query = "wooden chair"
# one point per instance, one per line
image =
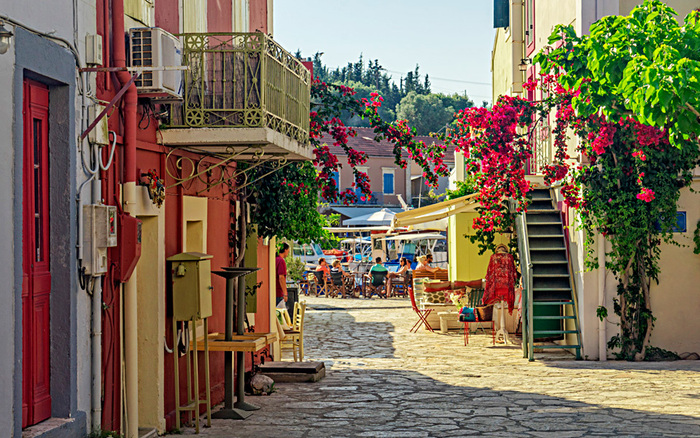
(376, 285)
(294, 339)
(422, 314)
(337, 284)
(399, 288)
(317, 283)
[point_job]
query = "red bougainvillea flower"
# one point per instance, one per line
(647, 195)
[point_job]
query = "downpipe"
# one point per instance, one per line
(602, 272)
(128, 199)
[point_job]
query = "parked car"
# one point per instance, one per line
(309, 253)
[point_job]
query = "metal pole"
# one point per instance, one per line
(240, 355)
(228, 355)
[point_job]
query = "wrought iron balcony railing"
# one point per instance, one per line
(242, 80)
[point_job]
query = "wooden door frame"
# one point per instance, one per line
(36, 284)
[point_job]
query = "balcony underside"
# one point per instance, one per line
(248, 142)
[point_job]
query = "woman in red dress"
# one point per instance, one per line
(500, 278)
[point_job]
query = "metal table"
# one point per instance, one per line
(240, 410)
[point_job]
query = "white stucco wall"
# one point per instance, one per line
(55, 17)
(7, 230)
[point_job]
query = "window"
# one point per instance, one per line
(530, 26)
(388, 180)
(297, 251)
(240, 16)
(335, 176)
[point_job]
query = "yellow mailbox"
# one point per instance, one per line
(190, 273)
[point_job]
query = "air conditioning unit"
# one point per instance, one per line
(154, 47)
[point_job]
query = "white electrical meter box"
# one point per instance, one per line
(93, 49)
(99, 233)
(100, 133)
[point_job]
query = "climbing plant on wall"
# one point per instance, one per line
(629, 90)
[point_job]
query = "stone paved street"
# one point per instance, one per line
(383, 381)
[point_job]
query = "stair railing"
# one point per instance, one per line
(526, 271)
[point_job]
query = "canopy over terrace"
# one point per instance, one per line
(435, 213)
(381, 217)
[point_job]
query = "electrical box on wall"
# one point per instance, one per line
(93, 49)
(100, 133)
(190, 273)
(99, 233)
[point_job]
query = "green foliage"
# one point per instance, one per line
(295, 268)
(286, 203)
(696, 239)
(430, 112)
(411, 99)
(601, 312)
(644, 64)
(464, 188)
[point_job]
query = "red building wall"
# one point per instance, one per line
(219, 16)
(258, 16)
(167, 15)
(151, 155)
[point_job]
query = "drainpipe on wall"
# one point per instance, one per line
(602, 335)
(128, 200)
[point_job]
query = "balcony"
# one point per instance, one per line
(243, 94)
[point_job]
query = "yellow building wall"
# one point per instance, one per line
(465, 261)
(675, 301)
(150, 284)
(501, 65)
(141, 11)
(194, 16)
(683, 7)
(549, 13)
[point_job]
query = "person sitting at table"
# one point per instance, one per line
(376, 273)
(323, 266)
(337, 278)
(400, 274)
(424, 264)
(429, 260)
(322, 274)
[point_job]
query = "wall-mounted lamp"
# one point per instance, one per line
(523, 64)
(5, 38)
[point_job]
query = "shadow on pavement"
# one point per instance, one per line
(400, 403)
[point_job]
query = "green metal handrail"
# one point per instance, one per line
(526, 270)
(242, 80)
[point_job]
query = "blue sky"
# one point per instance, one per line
(449, 39)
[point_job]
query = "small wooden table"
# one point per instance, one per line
(446, 318)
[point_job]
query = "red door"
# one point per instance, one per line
(36, 280)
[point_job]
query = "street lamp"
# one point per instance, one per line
(5, 38)
(523, 64)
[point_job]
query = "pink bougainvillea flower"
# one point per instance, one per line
(639, 154)
(647, 195)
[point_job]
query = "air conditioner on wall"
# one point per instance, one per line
(154, 47)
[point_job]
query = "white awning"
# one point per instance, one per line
(436, 212)
(417, 236)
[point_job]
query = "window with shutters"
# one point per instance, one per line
(530, 26)
(140, 10)
(194, 14)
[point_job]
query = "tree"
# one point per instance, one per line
(426, 112)
(431, 112)
(287, 200)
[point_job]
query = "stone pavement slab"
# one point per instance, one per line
(383, 381)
